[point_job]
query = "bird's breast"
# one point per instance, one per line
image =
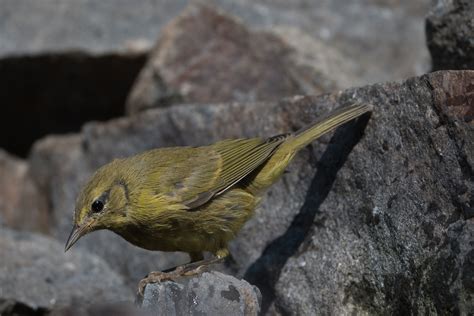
(206, 228)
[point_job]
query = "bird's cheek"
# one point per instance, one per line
(100, 223)
(106, 221)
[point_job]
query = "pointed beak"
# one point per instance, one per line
(76, 233)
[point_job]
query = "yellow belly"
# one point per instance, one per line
(207, 228)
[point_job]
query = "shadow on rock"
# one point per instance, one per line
(265, 272)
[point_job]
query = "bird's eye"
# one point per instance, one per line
(97, 206)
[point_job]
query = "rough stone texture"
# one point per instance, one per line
(36, 274)
(207, 294)
(372, 220)
(456, 100)
(22, 206)
(207, 56)
(384, 228)
(450, 34)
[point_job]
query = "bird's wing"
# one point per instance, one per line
(241, 157)
(210, 170)
(238, 158)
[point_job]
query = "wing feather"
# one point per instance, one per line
(238, 159)
(193, 176)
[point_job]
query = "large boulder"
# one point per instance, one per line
(205, 56)
(372, 219)
(385, 38)
(36, 275)
(450, 34)
(385, 226)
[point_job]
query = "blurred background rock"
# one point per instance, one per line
(380, 226)
(68, 62)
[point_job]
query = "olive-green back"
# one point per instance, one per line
(192, 176)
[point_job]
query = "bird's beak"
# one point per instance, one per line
(77, 232)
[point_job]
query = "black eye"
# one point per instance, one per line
(97, 206)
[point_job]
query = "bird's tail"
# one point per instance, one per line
(285, 152)
(327, 123)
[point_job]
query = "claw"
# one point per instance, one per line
(186, 270)
(156, 277)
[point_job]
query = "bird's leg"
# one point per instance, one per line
(192, 268)
(197, 267)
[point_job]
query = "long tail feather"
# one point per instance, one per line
(327, 123)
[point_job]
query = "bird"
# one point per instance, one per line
(191, 199)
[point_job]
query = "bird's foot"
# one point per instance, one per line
(157, 277)
(190, 269)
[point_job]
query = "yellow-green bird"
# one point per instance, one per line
(191, 199)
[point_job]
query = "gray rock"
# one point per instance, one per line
(88, 25)
(207, 294)
(384, 225)
(22, 206)
(370, 220)
(205, 56)
(386, 38)
(36, 273)
(450, 34)
(99, 309)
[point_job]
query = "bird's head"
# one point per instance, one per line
(102, 203)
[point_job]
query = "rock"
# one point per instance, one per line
(456, 100)
(323, 66)
(205, 56)
(111, 308)
(87, 25)
(51, 152)
(384, 226)
(207, 294)
(385, 38)
(331, 46)
(22, 206)
(372, 219)
(36, 274)
(104, 27)
(450, 34)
